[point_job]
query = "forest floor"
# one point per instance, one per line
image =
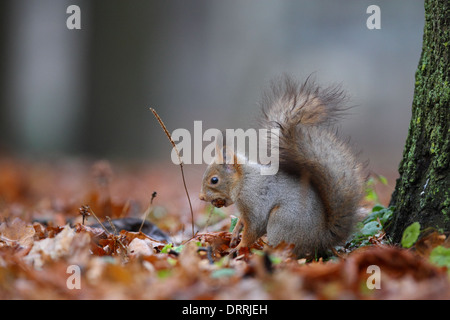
(47, 251)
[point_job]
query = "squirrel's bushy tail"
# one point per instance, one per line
(309, 147)
(288, 104)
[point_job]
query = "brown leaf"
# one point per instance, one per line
(17, 232)
(97, 233)
(425, 245)
(139, 247)
(128, 236)
(189, 260)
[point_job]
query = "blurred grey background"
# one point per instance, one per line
(87, 92)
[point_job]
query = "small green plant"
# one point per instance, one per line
(410, 235)
(372, 226)
(234, 221)
(371, 194)
(440, 256)
(169, 247)
(223, 273)
(273, 259)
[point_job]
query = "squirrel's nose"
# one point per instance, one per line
(202, 197)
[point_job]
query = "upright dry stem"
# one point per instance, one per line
(161, 123)
(147, 212)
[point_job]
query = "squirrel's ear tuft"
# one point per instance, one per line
(229, 156)
(219, 157)
(233, 164)
(225, 155)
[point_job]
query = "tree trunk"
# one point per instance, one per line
(422, 192)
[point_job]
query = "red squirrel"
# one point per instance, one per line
(312, 201)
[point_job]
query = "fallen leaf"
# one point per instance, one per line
(425, 245)
(51, 248)
(139, 247)
(17, 233)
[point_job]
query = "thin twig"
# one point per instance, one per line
(161, 123)
(94, 215)
(84, 212)
(209, 218)
(147, 212)
(189, 199)
(104, 228)
(165, 131)
(112, 225)
(125, 208)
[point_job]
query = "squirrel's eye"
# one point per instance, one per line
(214, 180)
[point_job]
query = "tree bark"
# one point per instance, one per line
(422, 192)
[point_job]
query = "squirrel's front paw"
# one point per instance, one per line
(235, 234)
(234, 246)
(236, 251)
(233, 252)
(240, 249)
(234, 240)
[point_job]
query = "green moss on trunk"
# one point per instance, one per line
(422, 191)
